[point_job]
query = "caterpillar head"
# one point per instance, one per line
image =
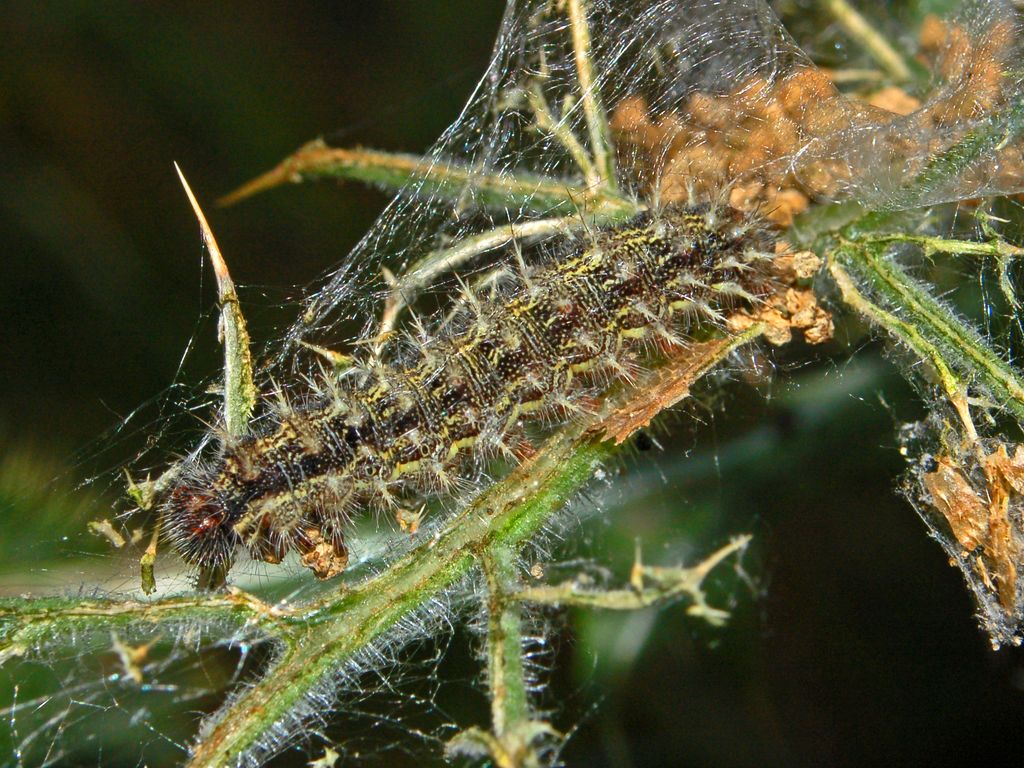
(195, 519)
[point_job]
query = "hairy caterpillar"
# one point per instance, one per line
(386, 433)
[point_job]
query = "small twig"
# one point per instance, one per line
(506, 677)
(560, 131)
(132, 657)
(670, 384)
(107, 530)
(597, 120)
(146, 492)
(669, 584)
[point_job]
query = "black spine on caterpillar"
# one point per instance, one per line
(386, 434)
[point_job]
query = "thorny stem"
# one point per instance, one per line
(240, 393)
(436, 177)
(934, 332)
(858, 28)
(597, 122)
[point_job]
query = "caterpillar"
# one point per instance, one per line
(386, 434)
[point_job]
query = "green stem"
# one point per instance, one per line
(506, 676)
(995, 247)
(438, 177)
(905, 308)
(26, 623)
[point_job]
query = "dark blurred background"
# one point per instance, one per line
(103, 274)
(856, 644)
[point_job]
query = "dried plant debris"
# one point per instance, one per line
(793, 307)
(746, 134)
(787, 139)
(975, 71)
(971, 496)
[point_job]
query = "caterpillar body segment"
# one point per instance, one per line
(387, 435)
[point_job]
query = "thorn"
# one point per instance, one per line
(132, 657)
(107, 530)
(329, 759)
(239, 389)
(220, 268)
